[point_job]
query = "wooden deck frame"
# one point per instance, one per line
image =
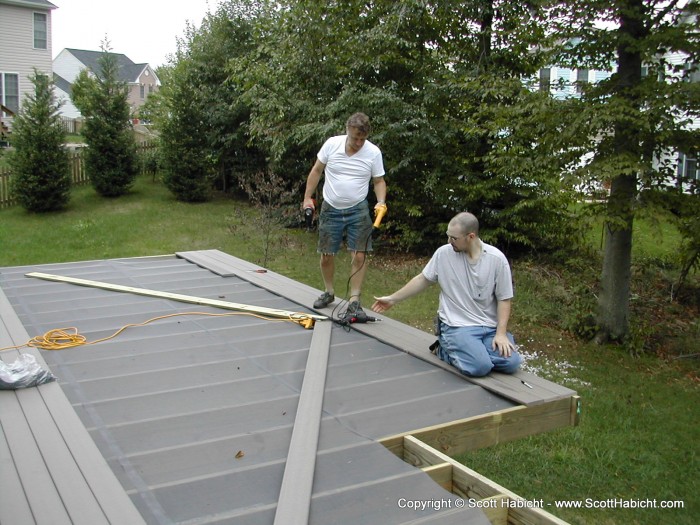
(430, 449)
(486, 430)
(85, 484)
(501, 506)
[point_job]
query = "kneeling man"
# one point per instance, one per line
(476, 289)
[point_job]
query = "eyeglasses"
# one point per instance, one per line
(452, 238)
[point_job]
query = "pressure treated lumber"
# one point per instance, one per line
(460, 436)
(469, 484)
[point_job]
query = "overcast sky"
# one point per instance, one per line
(143, 30)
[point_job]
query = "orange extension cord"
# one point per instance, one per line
(62, 338)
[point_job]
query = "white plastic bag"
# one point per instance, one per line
(23, 373)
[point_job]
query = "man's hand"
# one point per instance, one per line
(382, 304)
(379, 212)
(503, 345)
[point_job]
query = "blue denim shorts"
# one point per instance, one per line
(354, 225)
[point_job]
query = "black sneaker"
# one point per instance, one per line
(325, 299)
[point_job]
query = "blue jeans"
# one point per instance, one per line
(354, 224)
(468, 348)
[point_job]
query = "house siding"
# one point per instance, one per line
(68, 109)
(17, 52)
(67, 66)
(148, 80)
(684, 177)
(680, 163)
(681, 59)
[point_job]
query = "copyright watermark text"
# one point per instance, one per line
(499, 503)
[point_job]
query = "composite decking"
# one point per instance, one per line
(189, 419)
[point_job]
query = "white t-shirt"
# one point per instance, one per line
(469, 293)
(347, 177)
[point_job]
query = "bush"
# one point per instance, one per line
(111, 158)
(41, 171)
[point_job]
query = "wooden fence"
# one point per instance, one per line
(78, 175)
(72, 125)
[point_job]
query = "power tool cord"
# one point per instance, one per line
(342, 321)
(62, 338)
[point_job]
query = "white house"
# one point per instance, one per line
(25, 45)
(563, 83)
(140, 78)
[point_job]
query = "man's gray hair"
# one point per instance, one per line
(467, 222)
(360, 122)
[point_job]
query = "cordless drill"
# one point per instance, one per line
(309, 217)
(358, 317)
(379, 213)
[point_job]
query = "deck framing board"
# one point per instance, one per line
(471, 485)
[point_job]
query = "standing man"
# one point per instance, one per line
(350, 161)
(476, 289)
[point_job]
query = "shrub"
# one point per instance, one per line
(41, 171)
(111, 158)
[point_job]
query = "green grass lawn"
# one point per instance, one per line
(639, 436)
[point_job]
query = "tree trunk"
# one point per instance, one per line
(613, 302)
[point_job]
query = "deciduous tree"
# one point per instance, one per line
(634, 120)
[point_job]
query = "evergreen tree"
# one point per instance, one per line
(201, 116)
(181, 118)
(41, 171)
(110, 159)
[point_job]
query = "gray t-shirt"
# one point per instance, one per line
(469, 292)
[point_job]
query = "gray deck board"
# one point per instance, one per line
(39, 489)
(14, 505)
(189, 419)
(64, 477)
(294, 499)
(403, 337)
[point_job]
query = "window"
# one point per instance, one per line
(687, 167)
(692, 72)
(9, 91)
(581, 79)
(41, 31)
(545, 78)
(143, 91)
